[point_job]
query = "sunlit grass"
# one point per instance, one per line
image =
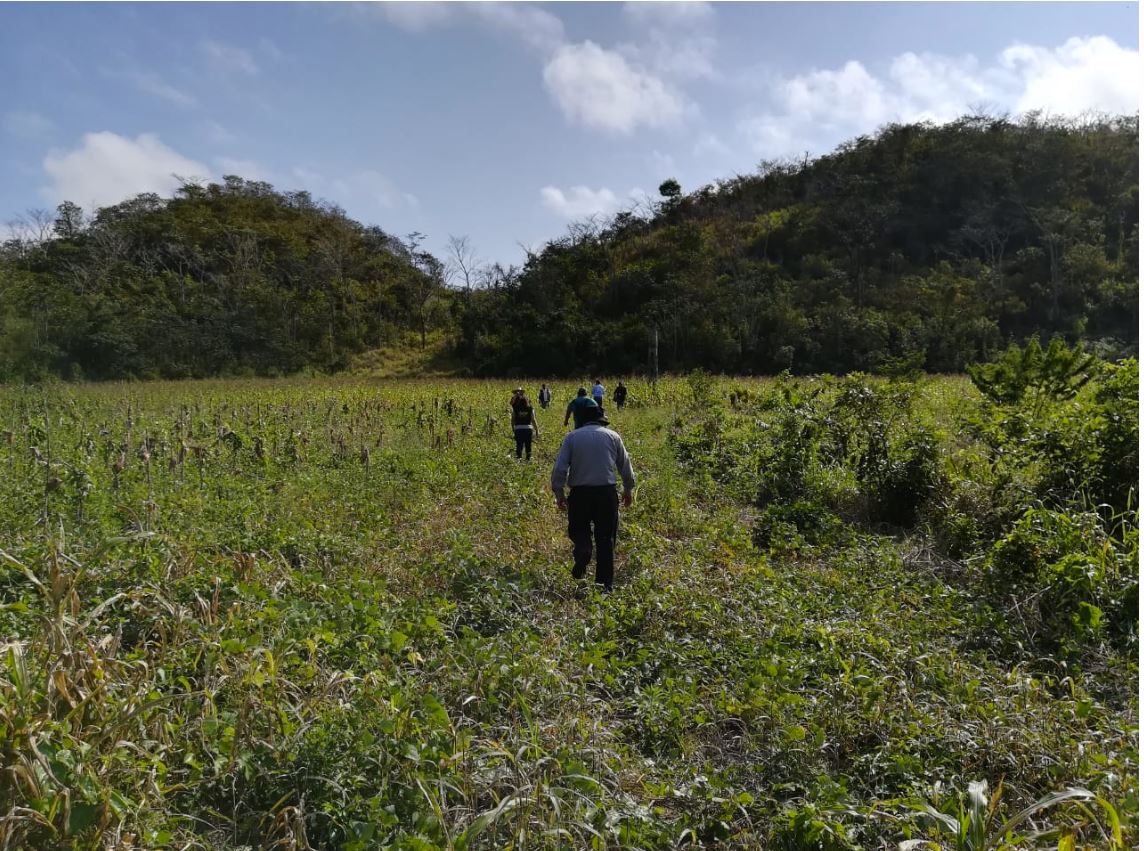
(339, 614)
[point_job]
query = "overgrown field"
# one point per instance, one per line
(337, 614)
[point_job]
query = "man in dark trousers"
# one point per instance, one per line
(587, 462)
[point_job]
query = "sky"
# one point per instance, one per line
(505, 122)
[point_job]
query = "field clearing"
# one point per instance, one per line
(338, 614)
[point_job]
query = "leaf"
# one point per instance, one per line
(488, 817)
(435, 712)
(1031, 810)
(81, 817)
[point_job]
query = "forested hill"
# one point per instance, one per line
(230, 278)
(925, 246)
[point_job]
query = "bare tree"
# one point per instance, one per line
(33, 228)
(428, 276)
(463, 264)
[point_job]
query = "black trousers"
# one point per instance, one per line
(594, 512)
(523, 441)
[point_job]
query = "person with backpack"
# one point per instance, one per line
(620, 395)
(544, 397)
(523, 424)
(587, 463)
(577, 408)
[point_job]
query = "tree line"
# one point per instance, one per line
(921, 247)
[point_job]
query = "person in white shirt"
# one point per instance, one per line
(587, 463)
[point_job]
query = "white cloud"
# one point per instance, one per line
(600, 89)
(227, 57)
(676, 39)
(849, 96)
(107, 168)
(27, 125)
(686, 13)
(819, 109)
(616, 90)
(153, 84)
(534, 26)
(1081, 75)
(579, 201)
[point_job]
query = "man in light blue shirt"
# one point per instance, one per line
(598, 393)
(587, 463)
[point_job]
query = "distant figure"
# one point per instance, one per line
(545, 396)
(598, 393)
(620, 395)
(587, 462)
(523, 423)
(577, 407)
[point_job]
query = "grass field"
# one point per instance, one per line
(339, 614)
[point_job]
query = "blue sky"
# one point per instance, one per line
(504, 122)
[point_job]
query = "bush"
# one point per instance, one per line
(1060, 572)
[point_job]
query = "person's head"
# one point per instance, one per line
(518, 391)
(581, 392)
(542, 386)
(595, 414)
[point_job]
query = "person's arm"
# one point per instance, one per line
(568, 411)
(627, 474)
(535, 424)
(560, 470)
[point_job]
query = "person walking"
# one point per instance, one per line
(620, 395)
(598, 394)
(577, 408)
(544, 397)
(587, 463)
(523, 423)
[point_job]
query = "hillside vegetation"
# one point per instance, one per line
(230, 278)
(922, 247)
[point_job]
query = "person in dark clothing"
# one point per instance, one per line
(523, 423)
(587, 462)
(578, 407)
(545, 396)
(620, 395)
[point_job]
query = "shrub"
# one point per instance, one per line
(1060, 572)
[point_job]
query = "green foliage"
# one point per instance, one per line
(231, 278)
(1059, 572)
(337, 614)
(923, 248)
(979, 827)
(1057, 373)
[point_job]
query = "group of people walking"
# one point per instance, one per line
(587, 464)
